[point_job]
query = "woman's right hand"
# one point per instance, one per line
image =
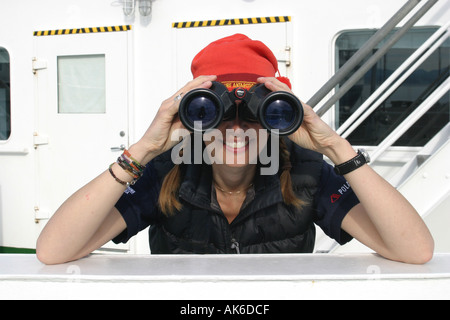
(157, 138)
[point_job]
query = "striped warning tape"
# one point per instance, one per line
(81, 30)
(229, 22)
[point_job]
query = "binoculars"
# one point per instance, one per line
(279, 112)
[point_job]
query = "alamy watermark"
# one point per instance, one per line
(238, 147)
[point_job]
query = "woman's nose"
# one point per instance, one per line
(237, 122)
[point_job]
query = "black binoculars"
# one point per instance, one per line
(279, 112)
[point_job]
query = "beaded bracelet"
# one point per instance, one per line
(124, 183)
(130, 166)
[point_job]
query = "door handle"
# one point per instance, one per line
(117, 149)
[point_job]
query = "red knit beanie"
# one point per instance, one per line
(237, 61)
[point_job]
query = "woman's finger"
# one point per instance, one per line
(198, 82)
(173, 102)
(274, 84)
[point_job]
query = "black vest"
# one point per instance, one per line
(264, 225)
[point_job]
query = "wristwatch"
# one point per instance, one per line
(361, 159)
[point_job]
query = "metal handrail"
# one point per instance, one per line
(411, 119)
(375, 58)
(418, 57)
(362, 52)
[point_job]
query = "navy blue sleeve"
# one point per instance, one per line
(334, 199)
(138, 204)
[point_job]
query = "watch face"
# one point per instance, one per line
(365, 155)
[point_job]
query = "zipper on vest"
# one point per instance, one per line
(235, 245)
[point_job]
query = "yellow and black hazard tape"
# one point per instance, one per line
(229, 22)
(81, 30)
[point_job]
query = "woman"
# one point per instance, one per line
(231, 207)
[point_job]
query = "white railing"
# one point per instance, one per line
(235, 277)
(394, 81)
(411, 119)
(347, 68)
(432, 147)
(409, 172)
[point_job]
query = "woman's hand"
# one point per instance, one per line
(157, 138)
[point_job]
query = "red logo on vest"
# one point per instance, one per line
(335, 197)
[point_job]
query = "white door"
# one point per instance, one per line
(189, 41)
(81, 91)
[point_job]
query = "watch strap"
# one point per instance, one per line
(351, 164)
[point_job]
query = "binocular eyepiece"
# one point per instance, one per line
(279, 112)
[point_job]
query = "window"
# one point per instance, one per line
(81, 84)
(5, 95)
(433, 72)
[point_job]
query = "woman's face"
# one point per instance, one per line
(239, 142)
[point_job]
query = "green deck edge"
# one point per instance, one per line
(16, 250)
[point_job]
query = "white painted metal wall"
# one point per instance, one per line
(157, 66)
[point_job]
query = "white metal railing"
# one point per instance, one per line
(432, 147)
(399, 76)
(411, 119)
(427, 187)
(386, 89)
(362, 52)
(347, 68)
(392, 83)
(225, 277)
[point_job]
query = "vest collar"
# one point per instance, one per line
(196, 189)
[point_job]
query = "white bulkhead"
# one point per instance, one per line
(82, 80)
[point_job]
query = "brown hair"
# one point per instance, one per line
(168, 200)
(169, 203)
(289, 196)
